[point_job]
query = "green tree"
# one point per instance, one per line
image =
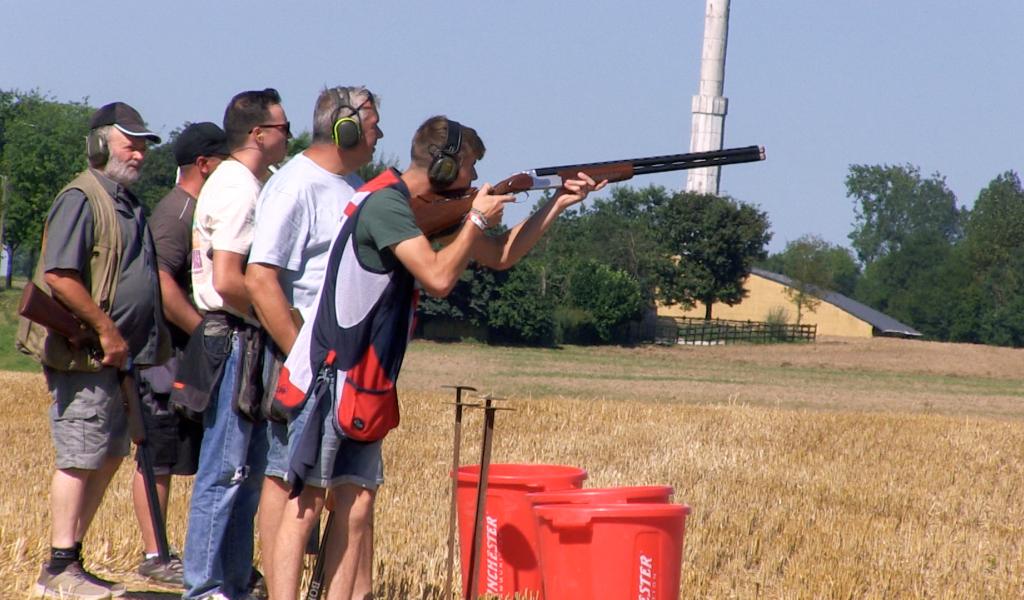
(469, 300)
(716, 241)
(820, 265)
(995, 226)
(893, 204)
(522, 312)
(621, 233)
(917, 285)
(844, 268)
(805, 263)
(991, 288)
(608, 296)
(7, 102)
(43, 149)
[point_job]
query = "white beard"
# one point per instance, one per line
(121, 171)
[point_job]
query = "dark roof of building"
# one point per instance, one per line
(882, 323)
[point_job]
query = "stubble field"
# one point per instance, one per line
(840, 469)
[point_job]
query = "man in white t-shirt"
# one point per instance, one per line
(298, 215)
(219, 543)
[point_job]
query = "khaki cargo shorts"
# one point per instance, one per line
(87, 418)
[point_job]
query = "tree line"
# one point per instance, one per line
(915, 253)
(953, 273)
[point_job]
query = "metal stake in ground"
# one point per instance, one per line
(456, 446)
(481, 493)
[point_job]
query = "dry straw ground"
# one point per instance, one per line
(841, 469)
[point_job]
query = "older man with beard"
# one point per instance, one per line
(98, 260)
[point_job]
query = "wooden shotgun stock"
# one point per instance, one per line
(436, 213)
(39, 307)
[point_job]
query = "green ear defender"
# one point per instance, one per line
(444, 166)
(347, 130)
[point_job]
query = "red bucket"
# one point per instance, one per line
(611, 551)
(508, 551)
(649, 494)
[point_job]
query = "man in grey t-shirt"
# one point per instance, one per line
(297, 217)
(120, 300)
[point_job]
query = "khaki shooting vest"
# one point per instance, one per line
(53, 350)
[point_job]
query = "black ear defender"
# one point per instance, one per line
(347, 130)
(96, 148)
(444, 163)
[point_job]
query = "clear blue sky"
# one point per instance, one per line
(821, 84)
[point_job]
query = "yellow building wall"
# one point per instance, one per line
(765, 295)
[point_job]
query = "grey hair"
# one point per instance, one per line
(103, 131)
(336, 103)
(98, 138)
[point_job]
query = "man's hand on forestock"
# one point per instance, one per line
(574, 191)
(491, 207)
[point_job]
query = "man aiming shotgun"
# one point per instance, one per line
(357, 338)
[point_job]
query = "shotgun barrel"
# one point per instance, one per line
(439, 213)
(668, 162)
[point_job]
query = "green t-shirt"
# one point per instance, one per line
(385, 219)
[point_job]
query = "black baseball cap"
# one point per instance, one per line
(200, 139)
(125, 118)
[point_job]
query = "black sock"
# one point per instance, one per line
(60, 558)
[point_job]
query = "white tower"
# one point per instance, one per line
(709, 105)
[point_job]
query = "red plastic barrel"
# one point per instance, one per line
(611, 551)
(508, 552)
(656, 494)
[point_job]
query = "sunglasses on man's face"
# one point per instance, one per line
(285, 127)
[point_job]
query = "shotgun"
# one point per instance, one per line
(137, 431)
(39, 307)
(436, 213)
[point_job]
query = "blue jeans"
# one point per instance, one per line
(226, 493)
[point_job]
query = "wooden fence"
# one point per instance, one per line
(707, 332)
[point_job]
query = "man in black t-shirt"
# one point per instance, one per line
(173, 438)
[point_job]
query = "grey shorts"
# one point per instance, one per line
(341, 460)
(87, 418)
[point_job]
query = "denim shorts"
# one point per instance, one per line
(341, 460)
(277, 449)
(277, 433)
(87, 418)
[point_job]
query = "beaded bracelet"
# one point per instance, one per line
(478, 219)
